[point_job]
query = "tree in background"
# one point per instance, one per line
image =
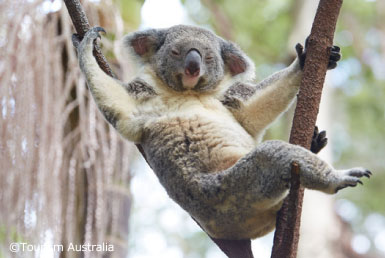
(64, 174)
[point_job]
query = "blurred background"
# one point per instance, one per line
(66, 177)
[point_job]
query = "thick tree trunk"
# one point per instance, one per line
(318, 50)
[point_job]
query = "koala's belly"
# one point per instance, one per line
(199, 140)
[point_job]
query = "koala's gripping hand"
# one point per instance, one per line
(335, 55)
(110, 95)
(318, 141)
(89, 38)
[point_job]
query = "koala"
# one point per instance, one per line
(200, 118)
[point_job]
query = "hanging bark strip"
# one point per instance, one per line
(318, 51)
(233, 249)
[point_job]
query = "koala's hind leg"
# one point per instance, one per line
(264, 175)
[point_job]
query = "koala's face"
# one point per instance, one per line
(188, 58)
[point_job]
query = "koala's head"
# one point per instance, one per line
(189, 58)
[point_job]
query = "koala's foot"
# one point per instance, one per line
(350, 177)
(319, 140)
(335, 55)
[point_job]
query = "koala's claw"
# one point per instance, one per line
(360, 172)
(335, 55)
(319, 140)
(301, 55)
(89, 38)
(352, 177)
(94, 33)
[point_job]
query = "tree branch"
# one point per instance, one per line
(235, 248)
(318, 51)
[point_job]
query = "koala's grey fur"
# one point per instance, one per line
(139, 89)
(201, 135)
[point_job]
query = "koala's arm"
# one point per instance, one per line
(256, 106)
(111, 96)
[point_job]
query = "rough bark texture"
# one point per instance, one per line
(318, 50)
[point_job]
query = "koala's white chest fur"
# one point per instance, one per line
(200, 123)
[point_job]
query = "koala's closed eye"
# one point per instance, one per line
(175, 51)
(209, 58)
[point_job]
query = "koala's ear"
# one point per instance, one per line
(145, 43)
(235, 60)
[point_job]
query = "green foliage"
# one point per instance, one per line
(130, 11)
(261, 28)
(359, 102)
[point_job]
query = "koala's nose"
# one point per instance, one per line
(192, 63)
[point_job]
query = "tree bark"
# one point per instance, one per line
(235, 248)
(318, 51)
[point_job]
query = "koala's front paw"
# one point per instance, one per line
(88, 39)
(231, 102)
(351, 177)
(335, 55)
(319, 140)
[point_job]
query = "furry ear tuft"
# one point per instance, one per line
(235, 60)
(235, 63)
(145, 43)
